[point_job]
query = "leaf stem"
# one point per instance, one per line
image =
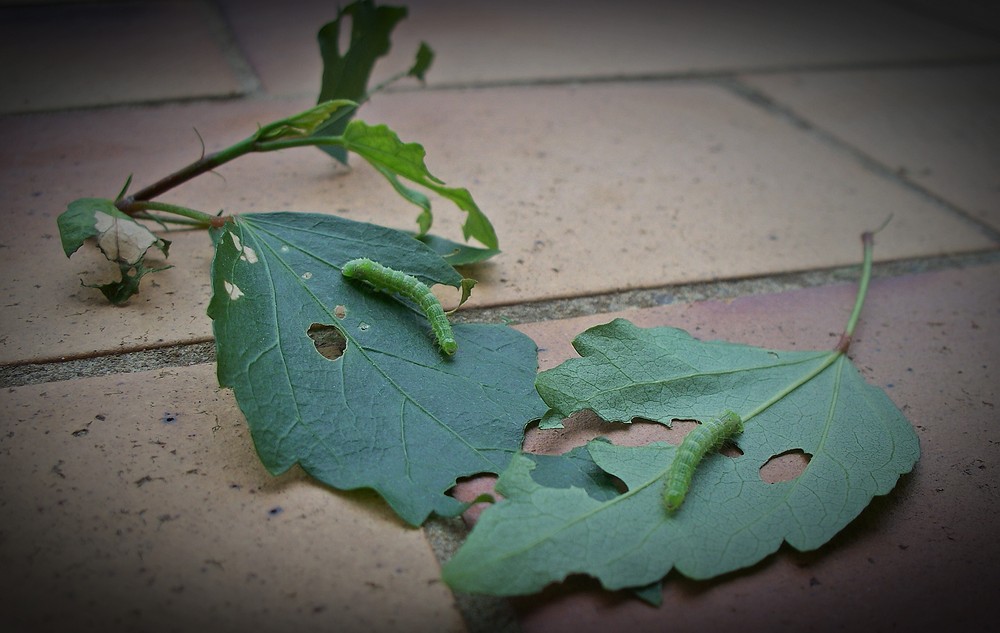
(271, 146)
(868, 244)
(163, 221)
(382, 86)
(200, 218)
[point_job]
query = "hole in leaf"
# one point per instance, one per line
(619, 484)
(785, 466)
(730, 449)
(583, 426)
(475, 490)
(678, 429)
(329, 342)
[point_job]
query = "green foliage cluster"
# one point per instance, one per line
(393, 413)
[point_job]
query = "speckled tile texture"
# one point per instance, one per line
(937, 127)
(682, 149)
(136, 503)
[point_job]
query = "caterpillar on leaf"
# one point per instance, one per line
(390, 280)
(707, 436)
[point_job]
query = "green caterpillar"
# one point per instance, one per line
(384, 278)
(703, 438)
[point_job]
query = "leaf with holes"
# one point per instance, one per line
(859, 444)
(768, 402)
(346, 74)
(392, 412)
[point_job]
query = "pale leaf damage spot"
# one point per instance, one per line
(122, 239)
(232, 290)
(247, 254)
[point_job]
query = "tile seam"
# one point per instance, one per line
(19, 374)
(222, 32)
(481, 613)
(773, 106)
(709, 75)
(256, 92)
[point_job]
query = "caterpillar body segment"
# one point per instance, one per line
(705, 437)
(390, 280)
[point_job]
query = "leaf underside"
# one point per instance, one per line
(392, 413)
(859, 444)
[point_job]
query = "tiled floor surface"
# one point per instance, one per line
(669, 147)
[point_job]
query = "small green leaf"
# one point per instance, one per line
(467, 286)
(859, 444)
(124, 189)
(382, 148)
(345, 76)
(424, 59)
(306, 123)
(392, 413)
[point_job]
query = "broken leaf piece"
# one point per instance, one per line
(122, 240)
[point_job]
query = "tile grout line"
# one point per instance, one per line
(222, 32)
(709, 75)
(19, 374)
(481, 613)
(768, 104)
(254, 90)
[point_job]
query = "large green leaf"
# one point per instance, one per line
(815, 402)
(392, 413)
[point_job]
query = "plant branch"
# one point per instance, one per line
(197, 218)
(204, 164)
(293, 131)
(163, 220)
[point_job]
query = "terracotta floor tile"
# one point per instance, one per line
(86, 54)
(939, 127)
(137, 503)
(523, 40)
(930, 341)
(592, 189)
